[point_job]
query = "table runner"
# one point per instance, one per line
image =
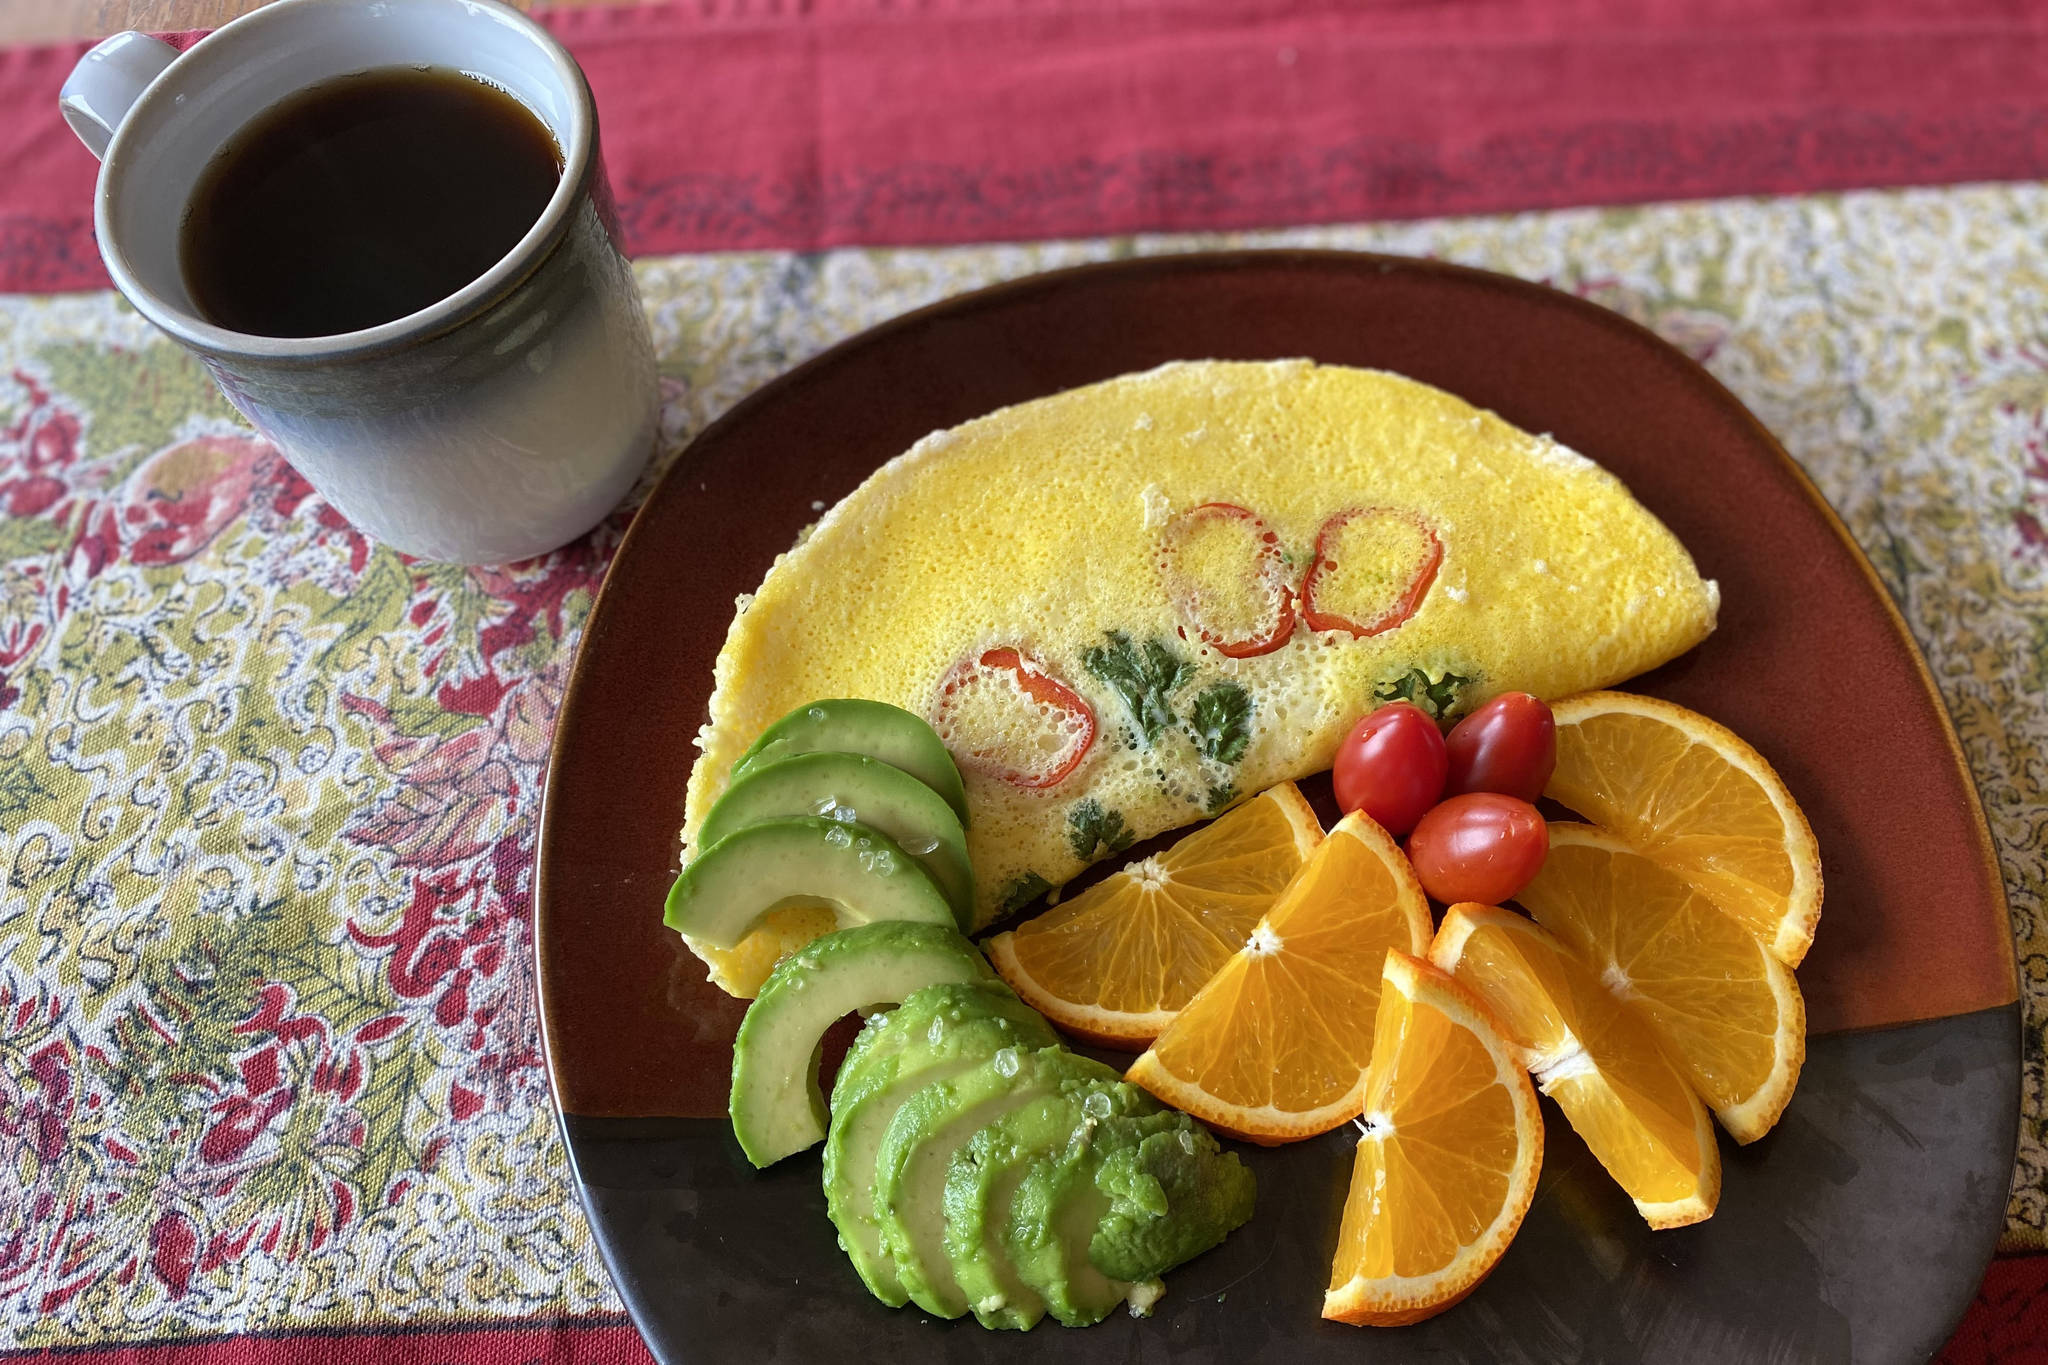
(732, 124)
(268, 1059)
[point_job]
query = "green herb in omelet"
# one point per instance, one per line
(1144, 675)
(1090, 827)
(1436, 696)
(1221, 722)
(1023, 891)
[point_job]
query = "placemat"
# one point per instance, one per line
(733, 124)
(267, 814)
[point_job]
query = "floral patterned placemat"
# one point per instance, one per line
(268, 1049)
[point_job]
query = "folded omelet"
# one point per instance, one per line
(1126, 606)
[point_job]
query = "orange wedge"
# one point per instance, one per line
(1117, 962)
(1695, 797)
(1594, 1056)
(1447, 1165)
(1728, 1012)
(1273, 1048)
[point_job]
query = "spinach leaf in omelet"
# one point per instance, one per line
(1023, 891)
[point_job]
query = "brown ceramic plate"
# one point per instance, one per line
(1858, 1229)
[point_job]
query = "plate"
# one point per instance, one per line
(1858, 1229)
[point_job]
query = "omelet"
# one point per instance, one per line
(1127, 606)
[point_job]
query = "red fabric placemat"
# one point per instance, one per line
(580, 1343)
(759, 123)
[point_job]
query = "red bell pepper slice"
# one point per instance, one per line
(1421, 575)
(1064, 716)
(1266, 569)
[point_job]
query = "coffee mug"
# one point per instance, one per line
(496, 424)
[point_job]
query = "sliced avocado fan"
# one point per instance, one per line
(918, 1151)
(853, 789)
(852, 725)
(776, 1105)
(983, 1181)
(933, 1036)
(1136, 1190)
(729, 887)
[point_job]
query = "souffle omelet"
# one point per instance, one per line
(1127, 606)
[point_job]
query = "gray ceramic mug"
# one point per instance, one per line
(495, 424)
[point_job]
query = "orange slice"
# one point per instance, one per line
(1728, 1012)
(1448, 1161)
(1593, 1055)
(1273, 1048)
(1695, 797)
(1117, 962)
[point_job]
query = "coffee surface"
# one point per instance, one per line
(363, 199)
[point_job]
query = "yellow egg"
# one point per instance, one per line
(1128, 605)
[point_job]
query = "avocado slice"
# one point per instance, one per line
(776, 1106)
(983, 1182)
(1172, 1195)
(853, 788)
(1134, 1194)
(862, 874)
(852, 725)
(934, 1035)
(919, 1148)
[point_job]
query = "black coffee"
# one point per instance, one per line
(363, 199)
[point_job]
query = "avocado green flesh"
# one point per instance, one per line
(934, 1035)
(1173, 1195)
(928, 1022)
(1051, 1254)
(732, 884)
(990, 1283)
(857, 726)
(1138, 1191)
(985, 1176)
(973, 1164)
(917, 1151)
(856, 789)
(777, 1109)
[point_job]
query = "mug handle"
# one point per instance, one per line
(106, 83)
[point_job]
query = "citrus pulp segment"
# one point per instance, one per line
(1446, 1165)
(1691, 794)
(1591, 1053)
(1117, 962)
(1273, 1048)
(1728, 1012)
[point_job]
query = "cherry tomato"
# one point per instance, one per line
(1508, 746)
(1478, 847)
(1391, 766)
